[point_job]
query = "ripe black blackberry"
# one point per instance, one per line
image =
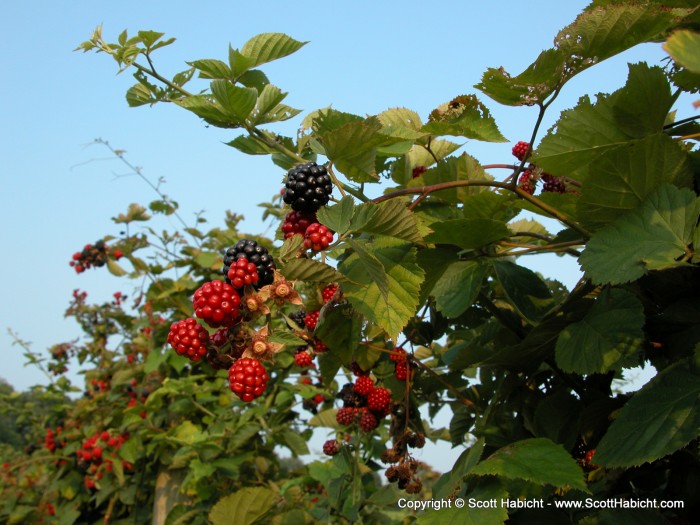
(298, 317)
(255, 254)
(308, 187)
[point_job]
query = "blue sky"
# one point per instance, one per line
(59, 190)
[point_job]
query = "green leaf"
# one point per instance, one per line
(485, 493)
(462, 168)
(135, 212)
(207, 109)
(661, 418)
(458, 287)
(371, 266)
(243, 507)
(468, 233)
(537, 460)
(254, 78)
(326, 418)
(463, 466)
(589, 130)
(328, 119)
(267, 47)
(249, 145)
(684, 47)
(622, 178)
(401, 123)
(464, 116)
(289, 249)
(607, 338)
(139, 95)
(390, 218)
(595, 35)
(213, 69)
(286, 338)
(114, 268)
(643, 104)
(188, 433)
(525, 290)
(328, 366)
(338, 216)
(268, 107)
(340, 328)
(353, 148)
(434, 262)
(653, 236)
(311, 270)
(393, 311)
(295, 442)
(236, 102)
(531, 86)
(402, 169)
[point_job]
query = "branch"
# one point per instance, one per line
(425, 190)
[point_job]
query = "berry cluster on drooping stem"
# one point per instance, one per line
(93, 255)
(97, 456)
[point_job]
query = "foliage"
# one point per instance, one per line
(432, 303)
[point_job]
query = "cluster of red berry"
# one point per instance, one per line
(97, 455)
(528, 179)
(220, 305)
(317, 237)
(98, 385)
(402, 368)
(364, 403)
(136, 396)
(50, 439)
(93, 255)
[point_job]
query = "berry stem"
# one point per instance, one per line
(335, 180)
(270, 143)
(492, 184)
(562, 246)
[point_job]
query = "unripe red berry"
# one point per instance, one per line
(303, 359)
(216, 303)
(527, 182)
(379, 400)
(242, 273)
(189, 338)
(364, 385)
(520, 150)
(330, 447)
(402, 371)
(368, 421)
(296, 222)
(247, 378)
(311, 319)
(328, 292)
(317, 237)
(346, 415)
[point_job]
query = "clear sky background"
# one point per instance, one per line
(59, 191)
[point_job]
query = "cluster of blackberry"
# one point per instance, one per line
(403, 467)
(308, 187)
(254, 254)
(93, 255)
